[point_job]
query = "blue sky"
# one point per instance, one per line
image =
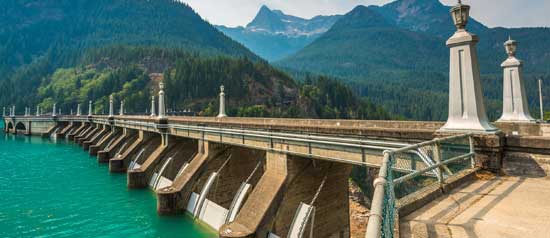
(506, 13)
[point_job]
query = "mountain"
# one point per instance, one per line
(365, 43)
(71, 51)
(32, 27)
(274, 35)
(57, 32)
(396, 51)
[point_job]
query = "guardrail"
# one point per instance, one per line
(358, 148)
(445, 151)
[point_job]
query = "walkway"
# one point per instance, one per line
(494, 207)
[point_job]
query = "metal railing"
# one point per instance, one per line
(445, 151)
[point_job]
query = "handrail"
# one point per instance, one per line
(383, 201)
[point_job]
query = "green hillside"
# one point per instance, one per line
(38, 36)
(192, 82)
(397, 51)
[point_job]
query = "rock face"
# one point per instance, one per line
(276, 22)
(274, 35)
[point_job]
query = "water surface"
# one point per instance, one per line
(52, 189)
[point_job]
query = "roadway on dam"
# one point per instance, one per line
(499, 207)
(55, 189)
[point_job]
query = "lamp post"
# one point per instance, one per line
(111, 106)
(514, 103)
(222, 102)
(162, 108)
(121, 108)
(90, 113)
(153, 106)
(466, 107)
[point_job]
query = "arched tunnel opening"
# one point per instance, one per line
(20, 127)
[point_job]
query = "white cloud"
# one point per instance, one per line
(507, 13)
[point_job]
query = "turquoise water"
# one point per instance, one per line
(56, 190)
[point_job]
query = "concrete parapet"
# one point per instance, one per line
(489, 149)
(417, 200)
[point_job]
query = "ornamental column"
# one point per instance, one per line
(111, 106)
(153, 106)
(121, 108)
(78, 112)
(222, 102)
(466, 108)
(90, 108)
(514, 102)
(3, 111)
(162, 108)
(53, 111)
(38, 110)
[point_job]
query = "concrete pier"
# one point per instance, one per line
(96, 137)
(110, 136)
(125, 139)
(174, 200)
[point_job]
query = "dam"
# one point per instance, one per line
(280, 177)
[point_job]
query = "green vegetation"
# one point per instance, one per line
(39, 36)
(395, 56)
(253, 89)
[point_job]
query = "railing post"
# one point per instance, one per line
(472, 150)
(438, 160)
(374, 226)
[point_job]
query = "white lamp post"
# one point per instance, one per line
(162, 109)
(153, 106)
(514, 103)
(466, 107)
(222, 102)
(90, 113)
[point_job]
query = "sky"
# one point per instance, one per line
(493, 13)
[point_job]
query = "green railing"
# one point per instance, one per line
(443, 157)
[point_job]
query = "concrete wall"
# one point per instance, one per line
(41, 127)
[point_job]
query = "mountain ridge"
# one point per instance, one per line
(406, 53)
(273, 34)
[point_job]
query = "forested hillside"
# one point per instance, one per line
(396, 56)
(192, 82)
(37, 36)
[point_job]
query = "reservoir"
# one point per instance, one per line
(55, 189)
